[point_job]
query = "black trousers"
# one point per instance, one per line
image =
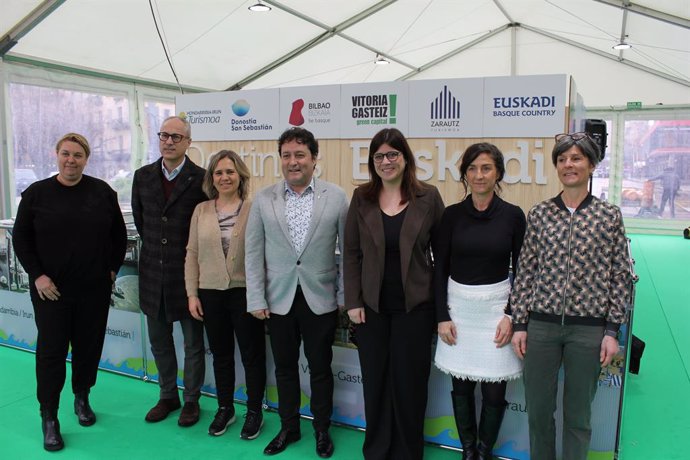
(395, 359)
(318, 334)
(79, 317)
(226, 317)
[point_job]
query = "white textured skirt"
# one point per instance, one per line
(476, 311)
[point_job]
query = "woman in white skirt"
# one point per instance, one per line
(478, 239)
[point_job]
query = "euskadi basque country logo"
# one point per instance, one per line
(531, 106)
(375, 109)
(317, 112)
(444, 112)
(241, 108)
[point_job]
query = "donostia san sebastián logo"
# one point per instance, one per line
(241, 108)
(375, 109)
(444, 112)
(524, 106)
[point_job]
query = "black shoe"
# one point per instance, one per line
(225, 416)
(162, 409)
(252, 425)
(83, 410)
(324, 444)
(190, 414)
(52, 439)
(281, 441)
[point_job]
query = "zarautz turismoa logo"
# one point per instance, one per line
(375, 109)
(444, 110)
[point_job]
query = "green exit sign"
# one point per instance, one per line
(635, 105)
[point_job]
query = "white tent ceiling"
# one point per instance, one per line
(220, 44)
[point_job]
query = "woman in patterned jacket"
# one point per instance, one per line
(568, 299)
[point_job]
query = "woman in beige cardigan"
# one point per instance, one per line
(215, 283)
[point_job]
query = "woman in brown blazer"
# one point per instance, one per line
(216, 290)
(389, 295)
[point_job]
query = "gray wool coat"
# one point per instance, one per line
(164, 230)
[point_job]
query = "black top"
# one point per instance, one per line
(73, 234)
(392, 297)
(476, 247)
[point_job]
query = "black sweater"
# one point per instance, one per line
(475, 247)
(72, 234)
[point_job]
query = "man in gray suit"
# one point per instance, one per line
(293, 282)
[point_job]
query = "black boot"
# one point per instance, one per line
(52, 439)
(489, 426)
(83, 409)
(466, 421)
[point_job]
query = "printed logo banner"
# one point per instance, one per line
(316, 108)
(232, 115)
(446, 108)
(370, 107)
(530, 106)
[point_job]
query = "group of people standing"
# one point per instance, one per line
(212, 259)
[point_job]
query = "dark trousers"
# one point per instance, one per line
(226, 317)
(577, 347)
(318, 334)
(395, 359)
(163, 349)
(80, 318)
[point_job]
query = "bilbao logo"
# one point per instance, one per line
(296, 117)
(240, 107)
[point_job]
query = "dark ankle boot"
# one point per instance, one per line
(83, 409)
(489, 426)
(466, 421)
(52, 439)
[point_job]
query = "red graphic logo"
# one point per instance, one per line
(296, 118)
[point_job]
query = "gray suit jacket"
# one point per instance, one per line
(274, 268)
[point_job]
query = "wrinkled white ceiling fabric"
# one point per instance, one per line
(220, 44)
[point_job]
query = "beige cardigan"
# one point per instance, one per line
(205, 266)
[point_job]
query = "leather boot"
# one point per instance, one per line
(83, 410)
(489, 426)
(466, 422)
(52, 439)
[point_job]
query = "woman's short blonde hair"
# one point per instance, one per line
(74, 137)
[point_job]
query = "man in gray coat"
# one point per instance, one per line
(164, 195)
(293, 282)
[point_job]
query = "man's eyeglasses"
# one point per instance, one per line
(176, 138)
(574, 136)
(392, 156)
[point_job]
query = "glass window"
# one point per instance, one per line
(656, 169)
(40, 115)
(600, 180)
(156, 112)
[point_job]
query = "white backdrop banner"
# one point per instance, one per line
(527, 106)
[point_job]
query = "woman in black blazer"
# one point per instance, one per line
(388, 295)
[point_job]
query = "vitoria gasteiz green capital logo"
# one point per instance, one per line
(375, 109)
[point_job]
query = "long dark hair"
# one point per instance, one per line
(410, 185)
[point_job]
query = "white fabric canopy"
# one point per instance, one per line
(220, 44)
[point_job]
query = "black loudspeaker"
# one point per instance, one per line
(597, 131)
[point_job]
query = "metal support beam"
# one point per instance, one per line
(648, 12)
(665, 76)
(24, 26)
(329, 33)
(624, 35)
(456, 51)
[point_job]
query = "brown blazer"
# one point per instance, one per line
(364, 256)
